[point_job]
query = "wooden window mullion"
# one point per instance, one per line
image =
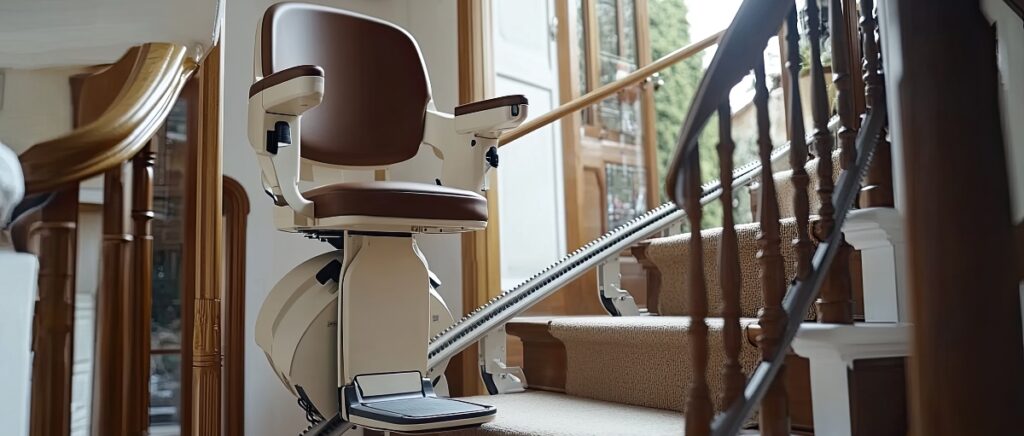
(593, 53)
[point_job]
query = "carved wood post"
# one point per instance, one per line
(967, 370)
(835, 304)
(877, 191)
(54, 317)
(798, 151)
(236, 208)
(774, 418)
(699, 409)
(729, 262)
(110, 407)
(140, 304)
(206, 244)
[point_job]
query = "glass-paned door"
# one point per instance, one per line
(171, 145)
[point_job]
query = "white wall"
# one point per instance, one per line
(90, 236)
(269, 409)
(34, 106)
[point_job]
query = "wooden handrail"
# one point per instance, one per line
(603, 92)
(160, 72)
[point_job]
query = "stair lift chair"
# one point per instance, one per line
(338, 100)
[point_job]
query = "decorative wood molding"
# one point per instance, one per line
(54, 315)
(544, 358)
(159, 71)
(236, 211)
(845, 383)
(204, 240)
(639, 251)
(481, 267)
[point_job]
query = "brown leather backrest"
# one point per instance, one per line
(375, 84)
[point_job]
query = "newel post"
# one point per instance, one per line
(967, 374)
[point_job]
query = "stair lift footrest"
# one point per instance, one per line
(408, 409)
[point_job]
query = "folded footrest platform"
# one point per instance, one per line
(405, 402)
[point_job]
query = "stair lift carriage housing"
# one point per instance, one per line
(338, 99)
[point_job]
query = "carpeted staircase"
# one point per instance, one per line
(602, 375)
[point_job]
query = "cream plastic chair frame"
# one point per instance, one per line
(388, 309)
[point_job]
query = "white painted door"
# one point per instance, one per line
(530, 189)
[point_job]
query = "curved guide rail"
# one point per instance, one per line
(515, 301)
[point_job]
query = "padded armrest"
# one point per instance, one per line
(491, 103)
(276, 105)
(284, 76)
(488, 118)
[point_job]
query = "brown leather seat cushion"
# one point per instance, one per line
(398, 200)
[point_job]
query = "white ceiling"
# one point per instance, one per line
(50, 33)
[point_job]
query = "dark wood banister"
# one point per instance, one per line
(802, 293)
(754, 24)
(740, 50)
(158, 75)
(117, 112)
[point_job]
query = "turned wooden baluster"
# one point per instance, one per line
(699, 409)
(877, 191)
(729, 262)
(820, 135)
(798, 151)
(835, 304)
(54, 317)
(774, 418)
(111, 340)
(843, 82)
(141, 301)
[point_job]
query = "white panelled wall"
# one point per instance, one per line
(269, 409)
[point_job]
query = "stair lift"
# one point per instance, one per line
(339, 99)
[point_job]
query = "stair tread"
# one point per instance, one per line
(540, 413)
(670, 255)
(640, 360)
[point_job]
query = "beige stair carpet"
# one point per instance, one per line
(671, 256)
(642, 360)
(539, 413)
(784, 188)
